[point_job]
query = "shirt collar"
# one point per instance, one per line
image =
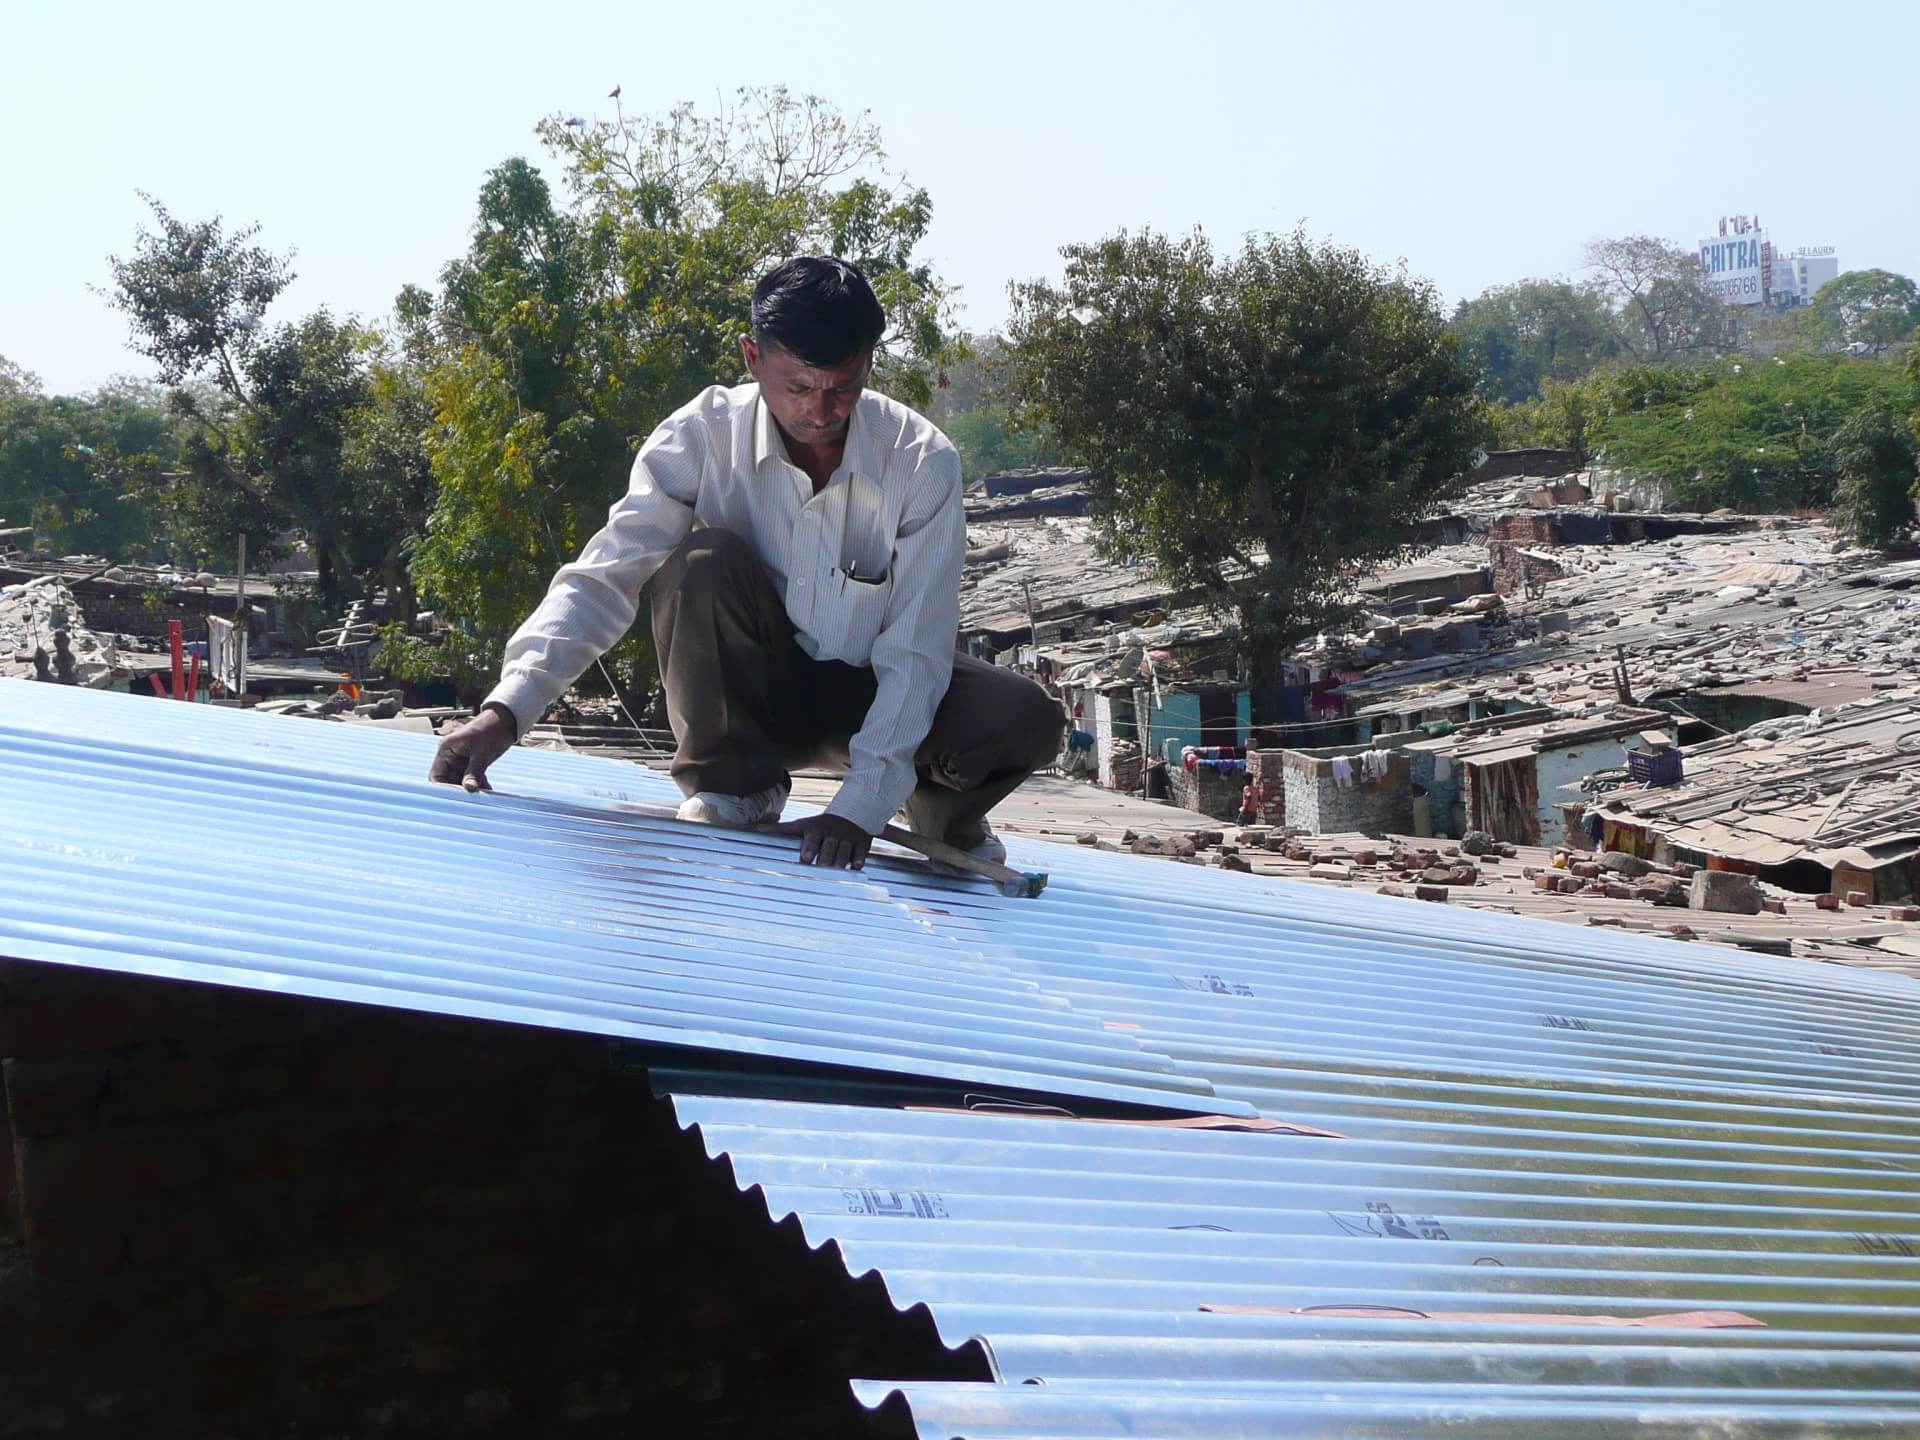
(768, 443)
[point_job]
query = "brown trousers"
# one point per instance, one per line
(748, 705)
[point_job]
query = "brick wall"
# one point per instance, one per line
(1208, 792)
(1269, 767)
(1317, 804)
(245, 1215)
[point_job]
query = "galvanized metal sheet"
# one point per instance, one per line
(1534, 1119)
(1133, 1280)
(206, 844)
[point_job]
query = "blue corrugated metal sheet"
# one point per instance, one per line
(1531, 1118)
(1085, 1256)
(204, 844)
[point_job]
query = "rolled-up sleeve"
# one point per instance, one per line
(912, 657)
(592, 602)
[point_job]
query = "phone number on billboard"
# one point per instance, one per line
(1733, 286)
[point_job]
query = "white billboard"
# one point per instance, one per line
(1736, 267)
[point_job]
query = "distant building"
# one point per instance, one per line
(1744, 267)
(1797, 278)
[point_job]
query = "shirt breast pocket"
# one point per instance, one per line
(862, 615)
(866, 536)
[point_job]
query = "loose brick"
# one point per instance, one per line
(1827, 902)
(1430, 892)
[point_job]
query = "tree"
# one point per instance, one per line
(61, 463)
(1263, 426)
(1526, 335)
(1753, 436)
(1876, 455)
(988, 443)
(16, 380)
(1561, 418)
(1873, 310)
(268, 412)
(1661, 307)
(569, 330)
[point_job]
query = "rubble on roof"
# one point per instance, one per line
(33, 617)
(1785, 606)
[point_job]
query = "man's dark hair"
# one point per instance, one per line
(819, 309)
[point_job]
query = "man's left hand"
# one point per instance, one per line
(828, 840)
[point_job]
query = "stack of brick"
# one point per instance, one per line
(243, 1214)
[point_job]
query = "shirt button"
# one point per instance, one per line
(801, 583)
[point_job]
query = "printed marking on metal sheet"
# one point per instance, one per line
(1564, 1022)
(1216, 985)
(907, 1204)
(1381, 1221)
(1827, 1047)
(1872, 1244)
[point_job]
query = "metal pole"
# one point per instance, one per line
(240, 624)
(179, 668)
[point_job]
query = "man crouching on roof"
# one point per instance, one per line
(803, 536)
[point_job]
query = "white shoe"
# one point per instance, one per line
(709, 807)
(990, 848)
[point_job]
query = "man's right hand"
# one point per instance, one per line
(463, 757)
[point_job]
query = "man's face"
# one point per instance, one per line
(811, 402)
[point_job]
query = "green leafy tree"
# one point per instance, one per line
(1528, 335)
(268, 413)
(1561, 418)
(61, 464)
(16, 380)
(1876, 455)
(1263, 425)
(988, 443)
(1658, 300)
(1873, 310)
(1749, 435)
(569, 330)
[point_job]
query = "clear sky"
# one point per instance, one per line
(1481, 142)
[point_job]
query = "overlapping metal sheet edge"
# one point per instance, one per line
(1080, 1256)
(205, 844)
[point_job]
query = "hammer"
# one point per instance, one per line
(1019, 884)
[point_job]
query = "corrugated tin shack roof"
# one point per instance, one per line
(1463, 1130)
(1499, 743)
(1830, 788)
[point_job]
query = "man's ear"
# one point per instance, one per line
(750, 352)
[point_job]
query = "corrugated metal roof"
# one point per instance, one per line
(1084, 1256)
(312, 858)
(1623, 1125)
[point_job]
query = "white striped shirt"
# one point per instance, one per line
(869, 567)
